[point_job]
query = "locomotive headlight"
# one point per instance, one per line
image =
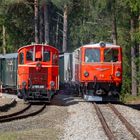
(86, 74)
(52, 83)
(118, 74)
(38, 65)
(102, 44)
(24, 84)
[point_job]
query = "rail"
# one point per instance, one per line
(130, 128)
(16, 117)
(106, 128)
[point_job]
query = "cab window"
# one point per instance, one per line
(110, 55)
(21, 58)
(29, 56)
(92, 55)
(46, 56)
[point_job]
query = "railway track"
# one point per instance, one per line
(7, 106)
(129, 127)
(28, 111)
(107, 129)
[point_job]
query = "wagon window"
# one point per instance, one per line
(110, 55)
(21, 58)
(29, 56)
(46, 56)
(9, 64)
(92, 55)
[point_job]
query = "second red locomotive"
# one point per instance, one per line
(94, 70)
(38, 72)
(98, 70)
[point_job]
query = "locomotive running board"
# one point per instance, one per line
(92, 98)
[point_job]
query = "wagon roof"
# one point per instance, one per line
(10, 55)
(1, 55)
(36, 45)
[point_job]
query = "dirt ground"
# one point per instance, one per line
(45, 126)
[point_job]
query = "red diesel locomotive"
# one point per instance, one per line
(38, 72)
(98, 70)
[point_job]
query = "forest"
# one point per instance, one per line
(68, 24)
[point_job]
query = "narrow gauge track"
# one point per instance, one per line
(130, 128)
(24, 113)
(106, 128)
(15, 113)
(6, 106)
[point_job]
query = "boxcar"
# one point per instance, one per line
(9, 72)
(65, 64)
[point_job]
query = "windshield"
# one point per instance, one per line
(29, 55)
(92, 55)
(46, 56)
(110, 55)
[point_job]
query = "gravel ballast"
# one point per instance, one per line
(70, 118)
(82, 123)
(132, 115)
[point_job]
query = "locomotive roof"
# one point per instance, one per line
(36, 45)
(98, 45)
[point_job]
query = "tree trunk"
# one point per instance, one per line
(139, 54)
(57, 32)
(41, 28)
(65, 28)
(133, 56)
(4, 39)
(46, 23)
(114, 30)
(114, 26)
(36, 20)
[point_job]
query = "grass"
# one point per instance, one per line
(130, 98)
(34, 134)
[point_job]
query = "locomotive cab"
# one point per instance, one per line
(37, 72)
(99, 70)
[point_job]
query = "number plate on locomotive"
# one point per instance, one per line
(38, 86)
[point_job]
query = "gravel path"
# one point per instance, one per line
(70, 118)
(82, 123)
(4, 101)
(44, 126)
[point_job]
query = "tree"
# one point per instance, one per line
(65, 6)
(36, 20)
(46, 21)
(4, 40)
(16, 16)
(134, 11)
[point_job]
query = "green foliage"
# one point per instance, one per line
(60, 3)
(130, 99)
(18, 20)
